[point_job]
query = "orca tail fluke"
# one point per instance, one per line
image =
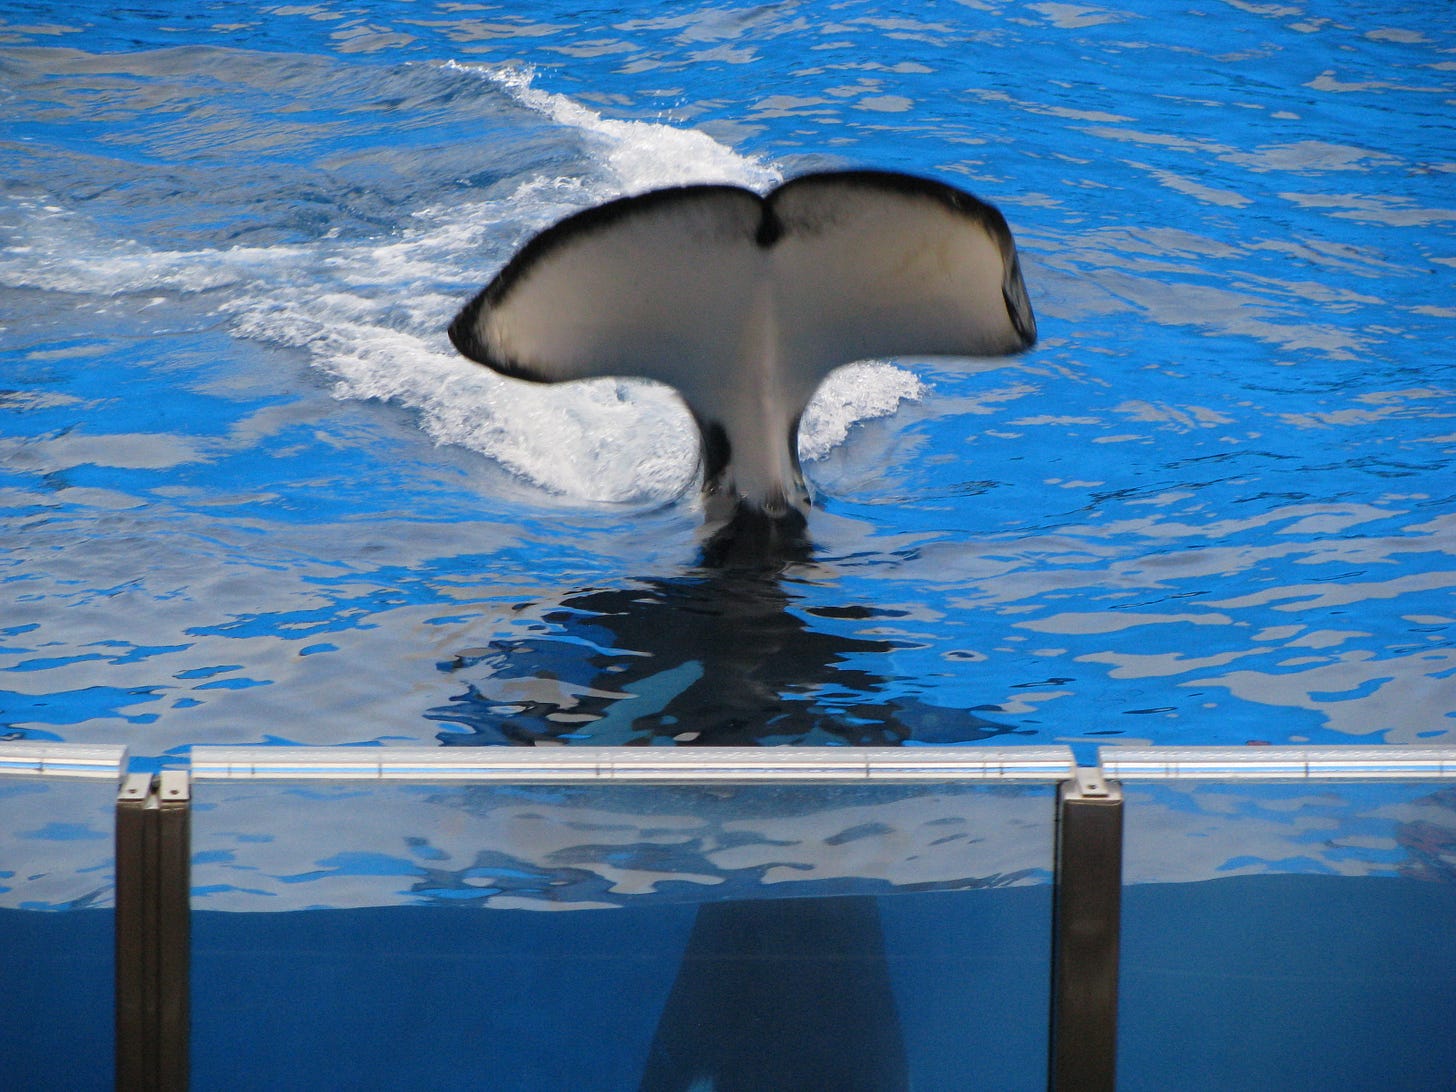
(745, 303)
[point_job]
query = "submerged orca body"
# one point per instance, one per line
(782, 994)
(745, 303)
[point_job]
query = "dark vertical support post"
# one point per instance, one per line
(174, 919)
(153, 881)
(135, 847)
(1086, 926)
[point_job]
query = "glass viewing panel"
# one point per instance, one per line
(57, 917)
(625, 920)
(1287, 933)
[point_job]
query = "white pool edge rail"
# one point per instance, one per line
(635, 764)
(106, 762)
(1389, 762)
(683, 765)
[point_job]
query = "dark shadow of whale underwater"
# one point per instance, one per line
(744, 304)
(716, 657)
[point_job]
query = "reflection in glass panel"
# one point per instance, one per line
(56, 854)
(855, 935)
(1288, 935)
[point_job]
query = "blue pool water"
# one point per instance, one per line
(251, 494)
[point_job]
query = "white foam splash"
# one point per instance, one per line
(372, 313)
(637, 155)
(56, 250)
(856, 393)
(613, 441)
